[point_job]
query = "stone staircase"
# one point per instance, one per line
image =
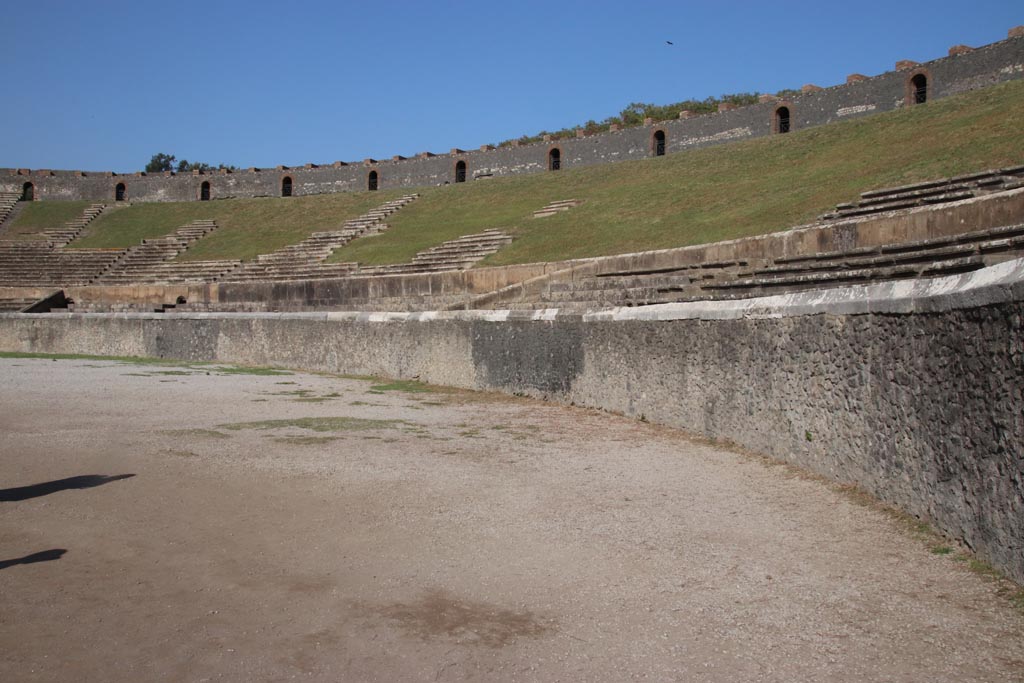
(556, 207)
(8, 200)
(63, 236)
(34, 263)
(457, 254)
(930, 193)
(148, 262)
(305, 260)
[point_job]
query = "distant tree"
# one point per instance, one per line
(160, 162)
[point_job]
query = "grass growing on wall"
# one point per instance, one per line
(716, 193)
(247, 226)
(723, 192)
(37, 216)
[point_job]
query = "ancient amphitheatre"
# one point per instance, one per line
(593, 408)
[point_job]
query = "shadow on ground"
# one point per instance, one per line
(85, 481)
(44, 556)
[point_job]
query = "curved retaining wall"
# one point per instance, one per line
(947, 76)
(912, 390)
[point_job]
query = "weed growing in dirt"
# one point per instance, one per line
(318, 424)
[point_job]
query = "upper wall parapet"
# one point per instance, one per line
(911, 83)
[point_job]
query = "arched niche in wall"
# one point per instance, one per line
(917, 87)
(120, 192)
(460, 171)
(286, 186)
(204, 191)
(554, 159)
(372, 181)
(658, 143)
(28, 192)
(782, 119)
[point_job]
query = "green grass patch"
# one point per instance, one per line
(196, 433)
(723, 192)
(407, 386)
(247, 227)
(305, 440)
(37, 216)
(318, 424)
(194, 366)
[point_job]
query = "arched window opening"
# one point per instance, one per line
(204, 191)
(659, 143)
(28, 192)
(460, 172)
(371, 181)
(120, 192)
(919, 89)
(782, 120)
(554, 159)
(286, 186)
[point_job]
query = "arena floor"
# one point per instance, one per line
(198, 523)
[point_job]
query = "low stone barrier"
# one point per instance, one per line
(913, 390)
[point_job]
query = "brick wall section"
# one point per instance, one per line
(950, 75)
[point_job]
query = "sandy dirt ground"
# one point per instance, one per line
(191, 524)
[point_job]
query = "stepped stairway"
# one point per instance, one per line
(63, 236)
(8, 200)
(457, 254)
(31, 263)
(930, 193)
(305, 260)
(148, 262)
(556, 207)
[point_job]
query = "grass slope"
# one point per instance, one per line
(724, 192)
(717, 193)
(247, 226)
(37, 216)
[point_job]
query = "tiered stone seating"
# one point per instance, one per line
(304, 260)
(740, 279)
(8, 200)
(33, 263)
(457, 254)
(556, 207)
(930, 193)
(14, 304)
(924, 258)
(63, 236)
(147, 263)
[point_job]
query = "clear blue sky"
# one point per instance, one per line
(100, 85)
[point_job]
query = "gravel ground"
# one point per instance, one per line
(280, 527)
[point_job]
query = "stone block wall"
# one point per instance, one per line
(912, 390)
(961, 71)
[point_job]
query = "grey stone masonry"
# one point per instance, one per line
(956, 73)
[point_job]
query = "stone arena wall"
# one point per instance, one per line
(912, 390)
(950, 75)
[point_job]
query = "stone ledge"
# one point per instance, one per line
(994, 284)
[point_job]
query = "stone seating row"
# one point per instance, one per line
(740, 279)
(8, 200)
(45, 266)
(456, 254)
(147, 262)
(299, 260)
(556, 207)
(60, 237)
(930, 193)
